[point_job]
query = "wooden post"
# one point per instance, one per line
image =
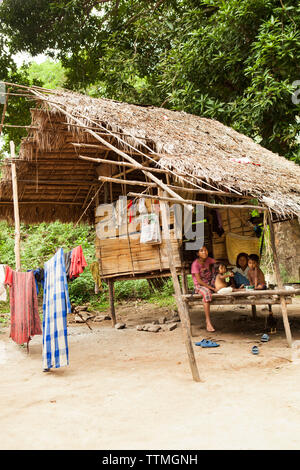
(253, 308)
(182, 307)
(184, 281)
(16, 208)
(280, 284)
(111, 301)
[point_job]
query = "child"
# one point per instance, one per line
(221, 286)
(255, 275)
(241, 271)
(202, 274)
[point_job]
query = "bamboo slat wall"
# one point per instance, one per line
(121, 255)
(233, 221)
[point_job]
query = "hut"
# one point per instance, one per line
(127, 168)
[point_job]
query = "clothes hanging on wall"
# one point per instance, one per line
(25, 320)
(56, 305)
(78, 262)
(3, 295)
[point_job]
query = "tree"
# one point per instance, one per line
(228, 60)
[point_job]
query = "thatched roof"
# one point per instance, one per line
(57, 184)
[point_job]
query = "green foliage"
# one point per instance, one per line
(51, 74)
(232, 61)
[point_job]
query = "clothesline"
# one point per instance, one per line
(23, 290)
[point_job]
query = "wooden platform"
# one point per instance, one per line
(245, 297)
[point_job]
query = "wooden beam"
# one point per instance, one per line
(111, 301)
(201, 203)
(208, 191)
(123, 181)
(22, 127)
(280, 283)
(38, 202)
(120, 163)
(182, 307)
(246, 293)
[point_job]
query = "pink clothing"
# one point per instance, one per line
(24, 319)
(204, 270)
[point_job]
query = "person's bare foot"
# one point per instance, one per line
(210, 328)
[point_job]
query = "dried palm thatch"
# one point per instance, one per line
(200, 151)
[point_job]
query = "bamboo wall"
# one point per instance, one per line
(233, 221)
(122, 255)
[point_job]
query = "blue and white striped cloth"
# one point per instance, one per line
(56, 305)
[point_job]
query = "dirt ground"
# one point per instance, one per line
(129, 389)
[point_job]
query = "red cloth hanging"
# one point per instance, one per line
(24, 315)
(78, 262)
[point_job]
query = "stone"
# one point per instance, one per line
(171, 326)
(140, 327)
(154, 328)
(78, 319)
(176, 318)
(162, 320)
(120, 326)
(81, 308)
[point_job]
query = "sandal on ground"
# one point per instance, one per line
(206, 343)
(265, 338)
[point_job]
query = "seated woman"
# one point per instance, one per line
(240, 271)
(203, 278)
(255, 275)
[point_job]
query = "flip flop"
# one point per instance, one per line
(265, 338)
(206, 343)
(255, 350)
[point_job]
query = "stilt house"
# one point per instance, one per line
(83, 156)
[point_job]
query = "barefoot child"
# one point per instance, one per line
(203, 278)
(255, 275)
(221, 285)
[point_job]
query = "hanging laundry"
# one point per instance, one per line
(78, 262)
(56, 305)
(39, 278)
(94, 268)
(3, 295)
(68, 257)
(25, 320)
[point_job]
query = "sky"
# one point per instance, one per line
(22, 57)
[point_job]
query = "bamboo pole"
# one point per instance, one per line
(124, 181)
(120, 163)
(283, 304)
(182, 307)
(201, 203)
(16, 208)
(111, 301)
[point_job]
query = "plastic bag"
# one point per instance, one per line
(150, 229)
